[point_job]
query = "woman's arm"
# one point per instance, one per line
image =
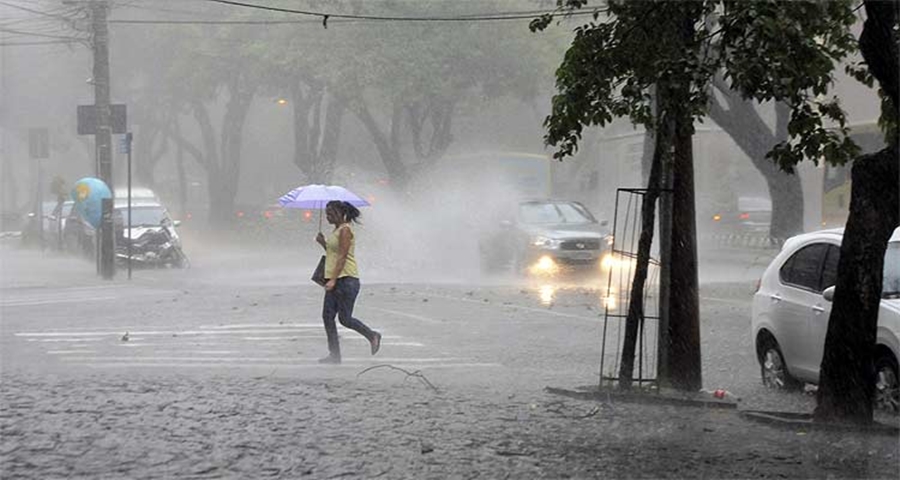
(320, 239)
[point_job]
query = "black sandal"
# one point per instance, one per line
(376, 343)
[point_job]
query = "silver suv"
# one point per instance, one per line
(545, 236)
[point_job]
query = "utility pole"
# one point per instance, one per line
(103, 136)
(99, 9)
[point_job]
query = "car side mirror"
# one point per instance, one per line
(176, 223)
(828, 294)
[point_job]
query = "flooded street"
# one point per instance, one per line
(217, 377)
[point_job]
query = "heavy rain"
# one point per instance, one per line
(479, 239)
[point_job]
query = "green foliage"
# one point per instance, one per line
(767, 50)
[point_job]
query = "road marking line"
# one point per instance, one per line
(516, 307)
(151, 332)
(727, 300)
(259, 325)
(15, 303)
(275, 366)
(69, 352)
(74, 340)
(430, 361)
(272, 339)
(37, 290)
(74, 295)
(404, 314)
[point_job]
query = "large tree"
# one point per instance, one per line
(847, 373)
(414, 80)
(768, 50)
(209, 89)
(744, 123)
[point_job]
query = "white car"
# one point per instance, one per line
(793, 303)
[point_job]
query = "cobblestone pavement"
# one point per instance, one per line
(218, 379)
(379, 426)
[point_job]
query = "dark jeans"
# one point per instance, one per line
(339, 302)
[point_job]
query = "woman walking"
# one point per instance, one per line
(342, 277)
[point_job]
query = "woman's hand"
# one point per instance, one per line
(320, 239)
(329, 286)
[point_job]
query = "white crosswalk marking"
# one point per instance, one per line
(227, 346)
(30, 297)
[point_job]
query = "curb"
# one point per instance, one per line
(654, 398)
(805, 421)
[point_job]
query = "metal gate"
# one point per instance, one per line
(620, 264)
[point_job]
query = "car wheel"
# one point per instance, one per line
(887, 388)
(773, 369)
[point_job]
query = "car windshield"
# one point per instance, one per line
(551, 213)
(891, 287)
(144, 215)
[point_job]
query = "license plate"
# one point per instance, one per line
(583, 255)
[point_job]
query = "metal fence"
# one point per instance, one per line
(620, 265)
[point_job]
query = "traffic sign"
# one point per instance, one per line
(87, 119)
(125, 144)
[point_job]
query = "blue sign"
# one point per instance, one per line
(125, 144)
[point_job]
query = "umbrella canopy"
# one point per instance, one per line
(88, 193)
(318, 196)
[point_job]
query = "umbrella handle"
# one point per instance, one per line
(320, 220)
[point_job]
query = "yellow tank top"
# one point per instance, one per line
(332, 249)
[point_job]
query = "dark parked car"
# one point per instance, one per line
(545, 237)
(746, 216)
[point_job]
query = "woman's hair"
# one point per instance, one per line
(347, 211)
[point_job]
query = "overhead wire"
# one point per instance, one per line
(35, 43)
(325, 16)
(36, 34)
(30, 10)
(64, 14)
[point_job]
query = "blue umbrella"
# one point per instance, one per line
(317, 197)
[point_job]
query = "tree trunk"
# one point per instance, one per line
(387, 146)
(149, 147)
(229, 173)
(439, 113)
(744, 125)
(182, 178)
(10, 192)
(684, 311)
(222, 190)
(683, 349)
(316, 139)
(635, 317)
(847, 372)
(222, 159)
(331, 134)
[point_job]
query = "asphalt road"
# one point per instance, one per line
(212, 373)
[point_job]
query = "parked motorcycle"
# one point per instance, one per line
(151, 247)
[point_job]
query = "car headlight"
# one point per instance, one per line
(545, 242)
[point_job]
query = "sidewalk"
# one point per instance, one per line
(22, 267)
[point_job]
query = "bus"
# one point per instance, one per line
(519, 175)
